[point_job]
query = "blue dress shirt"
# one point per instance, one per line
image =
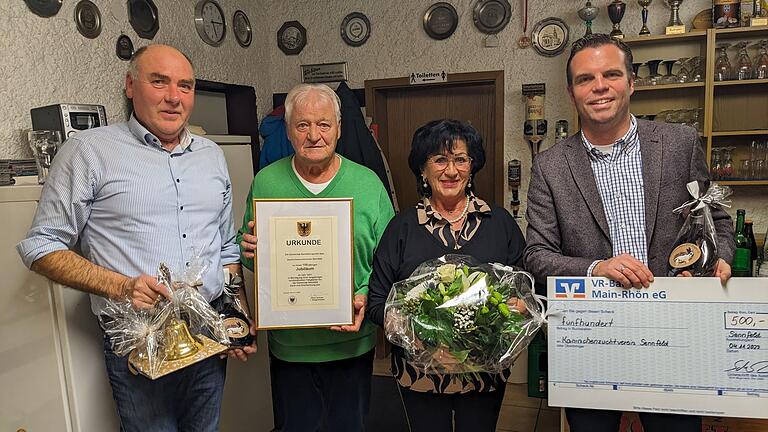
(128, 204)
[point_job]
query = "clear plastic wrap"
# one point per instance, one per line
(173, 334)
(695, 248)
(456, 316)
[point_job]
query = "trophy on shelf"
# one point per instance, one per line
(675, 26)
(588, 14)
(616, 11)
(644, 3)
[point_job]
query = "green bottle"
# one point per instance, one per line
(742, 256)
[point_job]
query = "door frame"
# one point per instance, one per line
(375, 108)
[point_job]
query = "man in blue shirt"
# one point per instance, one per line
(131, 195)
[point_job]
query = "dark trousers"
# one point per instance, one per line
(322, 397)
(188, 400)
(587, 420)
(467, 412)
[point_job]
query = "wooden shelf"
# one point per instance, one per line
(670, 86)
(740, 82)
(639, 40)
(739, 133)
(742, 182)
(736, 32)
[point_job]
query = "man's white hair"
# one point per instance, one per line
(300, 93)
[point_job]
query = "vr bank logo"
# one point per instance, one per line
(570, 288)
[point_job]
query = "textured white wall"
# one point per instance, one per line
(45, 61)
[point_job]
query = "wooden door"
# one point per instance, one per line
(399, 109)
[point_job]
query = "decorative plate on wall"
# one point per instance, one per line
(209, 22)
(142, 14)
(292, 37)
(88, 19)
(550, 36)
(441, 20)
(355, 29)
(44, 8)
(241, 27)
(491, 16)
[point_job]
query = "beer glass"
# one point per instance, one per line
(44, 145)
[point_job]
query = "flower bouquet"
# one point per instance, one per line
(455, 316)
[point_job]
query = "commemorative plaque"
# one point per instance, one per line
(303, 265)
(550, 36)
(124, 47)
(441, 20)
(355, 29)
(491, 16)
(291, 38)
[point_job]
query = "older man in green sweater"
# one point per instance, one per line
(321, 378)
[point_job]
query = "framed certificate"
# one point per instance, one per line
(303, 263)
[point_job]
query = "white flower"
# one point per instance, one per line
(446, 273)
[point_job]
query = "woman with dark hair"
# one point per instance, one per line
(449, 218)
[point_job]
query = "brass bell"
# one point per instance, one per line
(179, 343)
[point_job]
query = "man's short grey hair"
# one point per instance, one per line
(300, 93)
(133, 66)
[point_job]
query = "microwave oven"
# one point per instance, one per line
(68, 118)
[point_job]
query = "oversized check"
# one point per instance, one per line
(684, 345)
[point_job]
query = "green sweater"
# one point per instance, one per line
(372, 212)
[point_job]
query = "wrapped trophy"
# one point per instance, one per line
(455, 316)
(175, 333)
(695, 249)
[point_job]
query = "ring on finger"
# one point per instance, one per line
(621, 268)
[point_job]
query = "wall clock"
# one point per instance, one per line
(210, 22)
(142, 14)
(355, 29)
(241, 27)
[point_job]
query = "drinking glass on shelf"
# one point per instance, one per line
(696, 69)
(743, 62)
(745, 172)
(668, 78)
(683, 75)
(723, 69)
(726, 170)
(653, 72)
(761, 62)
(716, 166)
(44, 145)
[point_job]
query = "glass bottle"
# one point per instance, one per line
(694, 249)
(233, 314)
(742, 255)
(750, 235)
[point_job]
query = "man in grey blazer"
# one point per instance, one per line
(600, 203)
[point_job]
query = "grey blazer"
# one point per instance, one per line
(567, 228)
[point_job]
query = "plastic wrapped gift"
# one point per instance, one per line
(695, 249)
(455, 316)
(172, 334)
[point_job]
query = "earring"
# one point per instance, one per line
(469, 183)
(424, 184)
